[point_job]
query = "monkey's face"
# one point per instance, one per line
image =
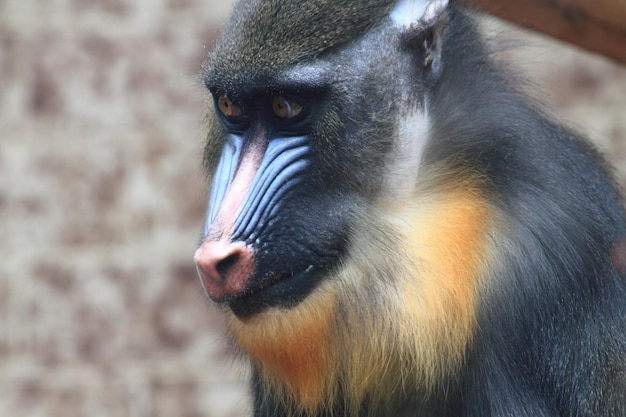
(277, 223)
(299, 148)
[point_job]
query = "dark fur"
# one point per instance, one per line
(553, 333)
(265, 36)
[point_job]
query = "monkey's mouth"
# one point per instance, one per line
(275, 289)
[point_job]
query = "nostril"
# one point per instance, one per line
(225, 268)
(226, 264)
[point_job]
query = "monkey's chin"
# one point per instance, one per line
(285, 290)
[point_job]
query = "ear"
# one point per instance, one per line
(422, 23)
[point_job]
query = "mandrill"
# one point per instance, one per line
(395, 230)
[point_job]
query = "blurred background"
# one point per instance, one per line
(102, 199)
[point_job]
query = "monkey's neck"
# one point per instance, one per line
(395, 319)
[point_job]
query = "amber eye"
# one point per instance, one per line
(284, 108)
(228, 108)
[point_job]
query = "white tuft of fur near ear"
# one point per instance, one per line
(407, 13)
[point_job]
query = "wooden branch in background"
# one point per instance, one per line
(596, 25)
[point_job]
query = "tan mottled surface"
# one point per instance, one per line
(101, 200)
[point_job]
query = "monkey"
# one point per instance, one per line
(395, 227)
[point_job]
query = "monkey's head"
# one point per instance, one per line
(313, 240)
(318, 114)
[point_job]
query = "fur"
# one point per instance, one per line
(408, 332)
(484, 283)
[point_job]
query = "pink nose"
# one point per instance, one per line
(225, 268)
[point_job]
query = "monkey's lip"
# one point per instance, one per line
(285, 289)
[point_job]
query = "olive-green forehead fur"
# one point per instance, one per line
(266, 35)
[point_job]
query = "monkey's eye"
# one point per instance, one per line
(228, 108)
(285, 108)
